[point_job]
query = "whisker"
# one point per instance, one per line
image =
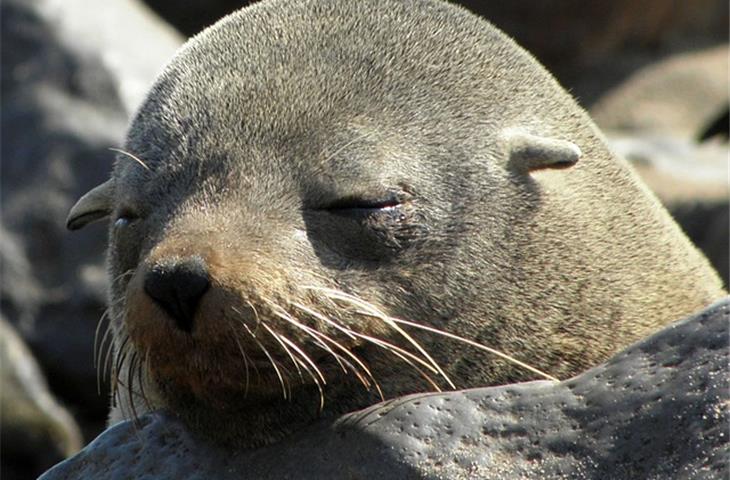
(273, 363)
(305, 357)
(143, 365)
(313, 334)
(286, 316)
(99, 346)
(107, 363)
(319, 316)
(255, 314)
(96, 336)
(376, 313)
(130, 386)
(337, 345)
(120, 358)
(423, 374)
(382, 343)
(404, 355)
(136, 159)
(243, 354)
(311, 369)
(277, 337)
(399, 352)
(123, 274)
(479, 346)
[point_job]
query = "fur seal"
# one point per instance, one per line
(311, 186)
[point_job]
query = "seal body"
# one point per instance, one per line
(305, 176)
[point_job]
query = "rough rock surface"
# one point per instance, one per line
(657, 410)
(72, 73)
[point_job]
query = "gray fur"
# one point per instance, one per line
(271, 116)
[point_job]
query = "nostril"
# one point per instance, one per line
(177, 287)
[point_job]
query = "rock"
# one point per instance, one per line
(678, 170)
(36, 431)
(657, 410)
(679, 97)
(72, 73)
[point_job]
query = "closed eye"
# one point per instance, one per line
(364, 205)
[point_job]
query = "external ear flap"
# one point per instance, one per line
(93, 206)
(527, 153)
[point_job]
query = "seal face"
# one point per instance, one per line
(312, 189)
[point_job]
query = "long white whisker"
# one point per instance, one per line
(375, 313)
(336, 344)
(314, 334)
(278, 339)
(273, 363)
(234, 333)
(477, 345)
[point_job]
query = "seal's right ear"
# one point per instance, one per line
(527, 153)
(95, 205)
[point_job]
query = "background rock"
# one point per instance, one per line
(658, 410)
(680, 96)
(36, 431)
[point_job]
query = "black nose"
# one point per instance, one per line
(177, 287)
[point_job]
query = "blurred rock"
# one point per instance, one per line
(72, 73)
(680, 97)
(36, 431)
(717, 128)
(658, 410)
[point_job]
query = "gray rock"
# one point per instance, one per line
(36, 431)
(657, 410)
(678, 96)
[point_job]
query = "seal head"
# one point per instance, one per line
(312, 189)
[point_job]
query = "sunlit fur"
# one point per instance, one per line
(284, 108)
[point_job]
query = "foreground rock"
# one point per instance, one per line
(657, 410)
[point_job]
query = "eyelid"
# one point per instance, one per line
(363, 204)
(392, 200)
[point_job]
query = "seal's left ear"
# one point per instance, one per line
(95, 205)
(527, 153)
